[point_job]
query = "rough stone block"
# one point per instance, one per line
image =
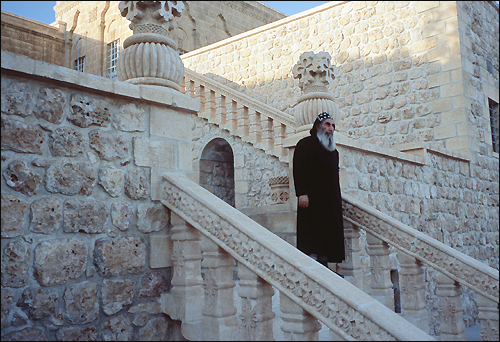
(111, 180)
(20, 178)
(122, 214)
(86, 216)
(122, 256)
(86, 111)
(51, 105)
(81, 302)
(116, 294)
(39, 302)
(155, 330)
(21, 137)
(130, 118)
(152, 217)
(136, 184)
(13, 216)
(16, 98)
(57, 261)
(153, 285)
(70, 178)
(15, 264)
(67, 142)
(78, 334)
(120, 329)
(109, 146)
(26, 334)
(45, 215)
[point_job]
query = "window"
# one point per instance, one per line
(493, 106)
(113, 53)
(80, 64)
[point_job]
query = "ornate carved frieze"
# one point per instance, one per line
(427, 250)
(342, 318)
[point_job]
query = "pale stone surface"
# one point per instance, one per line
(16, 98)
(15, 264)
(45, 215)
(39, 302)
(21, 137)
(152, 217)
(119, 257)
(81, 302)
(14, 211)
(78, 334)
(116, 294)
(136, 185)
(154, 153)
(86, 111)
(86, 216)
(121, 329)
(153, 284)
(155, 330)
(57, 261)
(51, 105)
(109, 146)
(67, 142)
(21, 178)
(111, 180)
(122, 214)
(130, 118)
(70, 178)
(160, 251)
(140, 320)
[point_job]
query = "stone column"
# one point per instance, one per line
(149, 56)
(219, 313)
(350, 268)
(298, 324)
(380, 285)
(413, 304)
(256, 315)
(488, 317)
(451, 316)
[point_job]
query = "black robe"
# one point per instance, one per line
(320, 228)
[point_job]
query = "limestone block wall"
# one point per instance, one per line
(79, 224)
(403, 68)
(29, 38)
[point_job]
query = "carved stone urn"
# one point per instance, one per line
(314, 73)
(149, 56)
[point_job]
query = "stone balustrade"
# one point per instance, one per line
(315, 292)
(261, 125)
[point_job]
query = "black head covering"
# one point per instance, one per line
(321, 117)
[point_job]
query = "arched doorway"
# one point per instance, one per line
(217, 170)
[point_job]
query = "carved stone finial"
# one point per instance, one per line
(315, 73)
(149, 56)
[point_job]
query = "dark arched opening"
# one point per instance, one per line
(217, 170)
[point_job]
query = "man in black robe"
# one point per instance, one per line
(320, 229)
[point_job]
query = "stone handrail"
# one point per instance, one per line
(341, 306)
(262, 125)
(458, 266)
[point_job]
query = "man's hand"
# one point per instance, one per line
(303, 201)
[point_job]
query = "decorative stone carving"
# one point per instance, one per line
(450, 310)
(314, 73)
(149, 56)
(280, 190)
(380, 265)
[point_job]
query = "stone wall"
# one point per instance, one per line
(400, 68)
(78, 221)
(29, 38)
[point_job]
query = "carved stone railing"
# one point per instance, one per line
(255, 122)
(350, 313)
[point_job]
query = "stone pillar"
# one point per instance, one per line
(350, 268)
(220, 110)
(298, 324)
(256, 315)
(185, 301)
(380, 285)
(488, 317)
(149, 56)
(451, 316)
(412, 281)
(219, 313)
(314, 73)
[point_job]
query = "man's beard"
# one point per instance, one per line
(326, 140)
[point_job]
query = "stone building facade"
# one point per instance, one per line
(81, 156)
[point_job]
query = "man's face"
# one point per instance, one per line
(327, 126)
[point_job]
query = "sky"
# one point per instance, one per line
(43, 11)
